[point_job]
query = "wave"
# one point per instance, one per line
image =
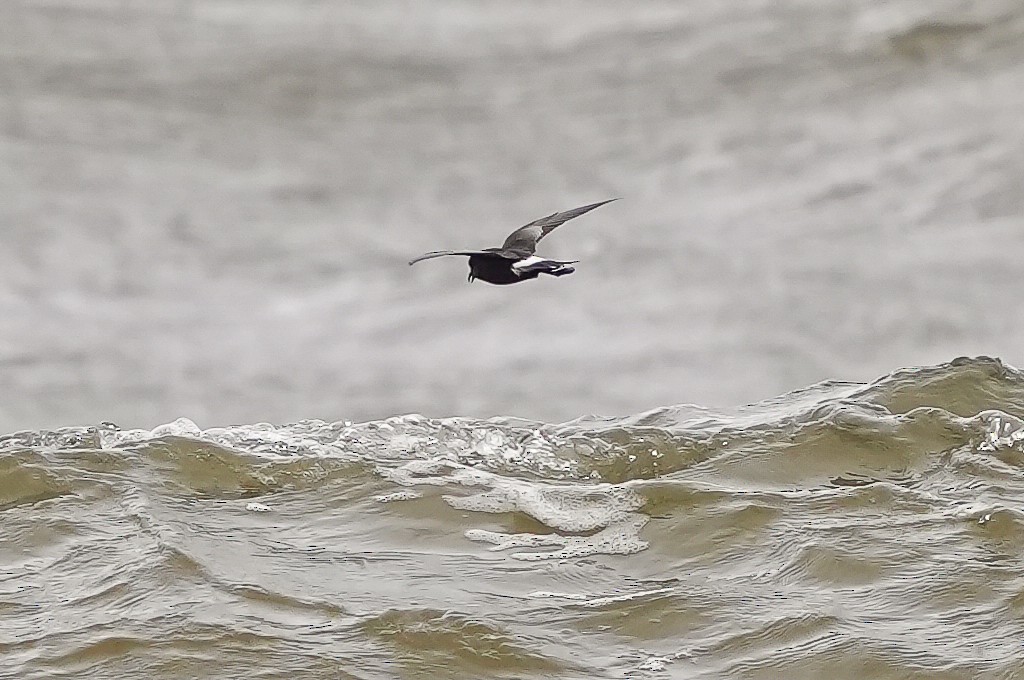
(802, 532)
(585, 480)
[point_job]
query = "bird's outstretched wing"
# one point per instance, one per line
(442, 253)
(524, 239)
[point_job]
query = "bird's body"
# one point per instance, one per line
(515, 261)
(495, 269)
(500, 269)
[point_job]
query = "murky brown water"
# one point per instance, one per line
(205, 213)
(847, 531)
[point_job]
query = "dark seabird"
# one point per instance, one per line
(515, 261)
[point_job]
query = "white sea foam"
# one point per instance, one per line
(566, 508)
(620, 538)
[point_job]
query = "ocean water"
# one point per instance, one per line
(206, 208)
(845, 530)
(206, 211)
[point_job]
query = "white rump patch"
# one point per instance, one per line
(528, 262)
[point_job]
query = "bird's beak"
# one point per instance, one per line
(470, 277)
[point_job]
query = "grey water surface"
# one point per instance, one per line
(206, 207)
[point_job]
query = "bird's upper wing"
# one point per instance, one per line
(524, 239)
(441, 253)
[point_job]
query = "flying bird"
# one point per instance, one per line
(515, 260)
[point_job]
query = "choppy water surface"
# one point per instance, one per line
(845, 530)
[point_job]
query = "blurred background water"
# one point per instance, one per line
(206, 210)
(207, 207)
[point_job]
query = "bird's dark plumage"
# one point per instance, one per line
(515, 261)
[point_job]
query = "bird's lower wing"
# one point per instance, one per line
(442, 253)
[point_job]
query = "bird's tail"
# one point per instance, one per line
(543, 266)
(562, 269)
